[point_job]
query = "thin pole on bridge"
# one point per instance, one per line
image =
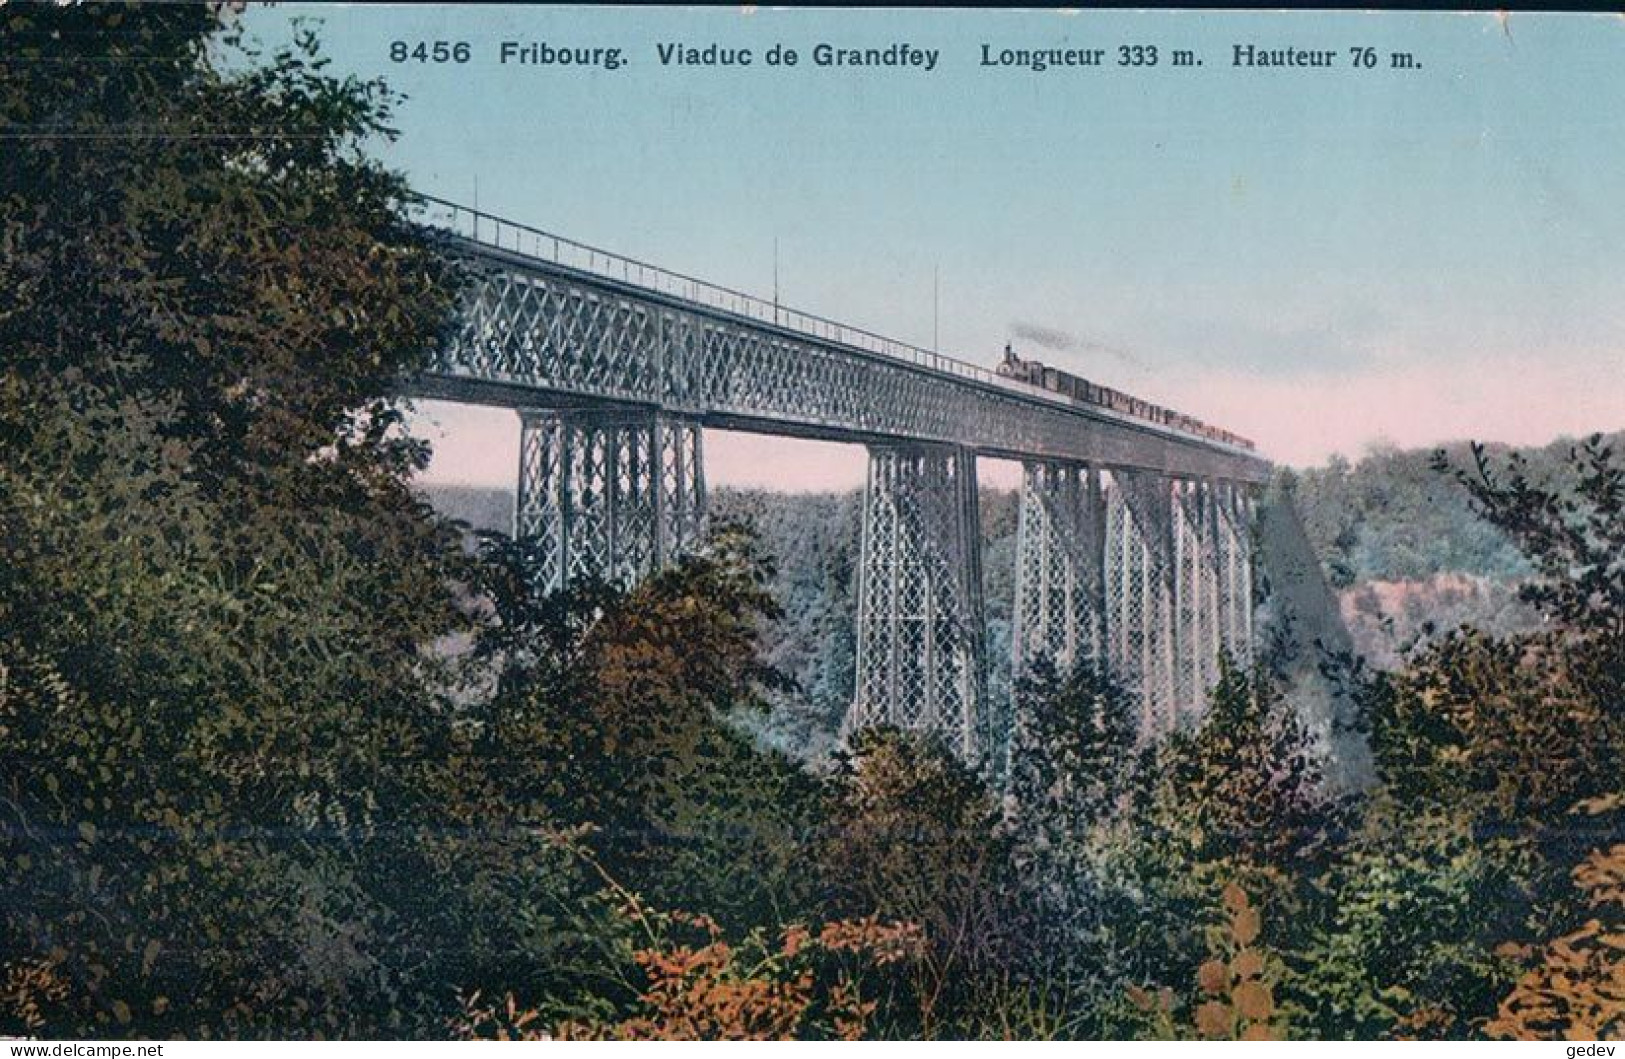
(936, 306)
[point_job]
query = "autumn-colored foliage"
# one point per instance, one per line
(1576, 991)
(1511, 729)
(28, 990)
(915, 836)
(717, 991)
(805, 982)
(1240, 1001)
(1235, 996)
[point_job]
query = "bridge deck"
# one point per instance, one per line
(548, 321)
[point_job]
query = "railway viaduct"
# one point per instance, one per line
(1134, 543)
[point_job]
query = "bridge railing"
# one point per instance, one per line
(526, 241)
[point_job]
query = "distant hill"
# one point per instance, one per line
(482, 507)
(1400, 544)
(1390, 516)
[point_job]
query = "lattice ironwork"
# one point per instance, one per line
(1119, 562)
(530, 325)
(1198, 637)
(1060, 539)
(1139, 594)
(1235, 563)
(1246, 516)
(609, 493)
(919, 651)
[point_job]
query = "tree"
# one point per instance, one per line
(1512, 732)
(1503, 730)
(1236, 798)
(913, 836)
(1397, 933)
(1574, 536)
(1072, 756)
(793, 983)
(1247, 784)
(216, 586)
(623, 709)
(1485, 747)
(1235, 995)
(1075, 733)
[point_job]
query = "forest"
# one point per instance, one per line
(289, 753)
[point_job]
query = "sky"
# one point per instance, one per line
(1319, 259)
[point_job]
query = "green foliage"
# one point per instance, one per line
(247, 790)
(1412, 551)
(1073, 758)
(1072, 748)
(617, 708)
(1483, 746)
(813, 540)
(1573, 534)
(1238, 797)
(1391, 517)
(1246, 783)
(1505, 731)
(696, 984)
(913, 835)
(1234, 998)
(214, 582)
(1406, 922)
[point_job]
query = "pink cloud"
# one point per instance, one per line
(1518, 400)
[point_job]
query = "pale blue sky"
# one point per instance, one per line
(1317, 258)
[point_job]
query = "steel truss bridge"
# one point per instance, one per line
(1134, 544)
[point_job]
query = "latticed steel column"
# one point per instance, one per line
(920, 622)
(680, 514)
(1235, 562)
(1245, 518)
(1060, 539)
(1139, 593)
(609, 493)
(1212, 585)
(1198, 637)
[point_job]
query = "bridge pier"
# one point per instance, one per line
(1148, 573)
(1140, 617)
(1234, 508)
(608, 492)
(920, 621)
(1197, 590)
(1060, 565)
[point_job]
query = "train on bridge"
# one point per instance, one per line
(1082, 391)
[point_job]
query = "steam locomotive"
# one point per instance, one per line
(1083, 391)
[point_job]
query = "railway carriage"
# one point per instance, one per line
(1081, 390)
